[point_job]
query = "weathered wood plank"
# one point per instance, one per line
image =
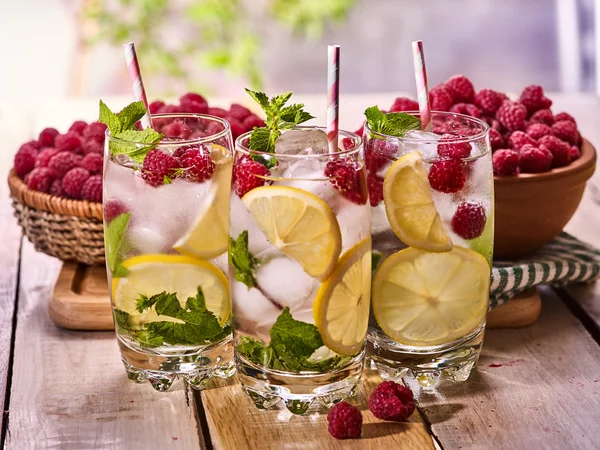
(535, 387)
(69, 389)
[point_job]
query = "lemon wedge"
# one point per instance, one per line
(299, 224)
(424, 299)
(409, 205)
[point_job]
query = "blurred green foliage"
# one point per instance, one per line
(218, 34)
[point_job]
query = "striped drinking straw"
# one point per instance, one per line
(136, 79)
(333, 96)
(422, 89)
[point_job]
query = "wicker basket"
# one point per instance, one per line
(66, 229)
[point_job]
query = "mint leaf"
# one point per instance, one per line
(255, 351)
(391, 124)
(110, 119)
(260, 138)
(375, 260)
(113, 238)
(279, 100)
(260, 98)
(148, 338)
(121, 319)
(293, 339)
(241, 260)
(374, 115)
(131, 114)
(120, 271)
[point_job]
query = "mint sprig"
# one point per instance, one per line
(242, 261)
(114, 233)
(391, 124)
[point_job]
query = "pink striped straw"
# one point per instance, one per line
(333, 96)
(422, 89)
(136, 80)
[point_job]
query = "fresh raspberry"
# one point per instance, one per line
(158, 165)
(170, 109)
(47, 136)
(579, 139)
(112, 209)
(538, 130)
(566, 131)
(496, 139)
(466, 108)
(78, 127)
(392, 401)
(489, 101)
(505, 162)
(345, 421)
(404, 104)
(35, 144)
(575, 153)
(238, 112)
(25, 160)
(564, 116)
(218, 112)
(62, 162)
(247, 175)
(458, 150)
(533, 98)
(469, 220)
(347, 143)
(560, 150)
(378, 152)
(198, 164)
(155, 106)
(56, 189)
(173, 129)
(512, 115)
(192, 97)
(194, 107)
(92, 189)
(375, 186)
(542, 116)
(73, 182)
(492, 122)
(461, 89)
(237, 127)
(96, 131)
(518, 139)
(70, 142)
(253, 121)
(44, 156)
(93, 163)
(447, 176)
(534, 160)
(440, 99)
(40, 179)
(92, 146)
(346, 177)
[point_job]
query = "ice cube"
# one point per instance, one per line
(379, 220)
(308, 174)
(428, 150)
(354, 221)
(240, 219)
(221, 262)
(147, 240)
(253, 313)
(308, 141)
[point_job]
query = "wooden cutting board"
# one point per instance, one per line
(80, 301)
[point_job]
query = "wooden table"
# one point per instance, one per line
(535, 387)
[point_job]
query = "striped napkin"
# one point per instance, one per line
(562, 261)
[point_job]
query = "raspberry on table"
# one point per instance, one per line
(92, 146)
(56, 189)
(538, 130)
(47, 136)
(447, 176)
(112, 209)
(218, 112)
(237, 127)
(62, 162)
(70, 142)
(440, 99)
(512, 115)
(253, 121)
(469, 220)
(496, 139)
(566, 131)
(24, 161)
(533, 99)
(542, 116)
(564, 116)
(461, 89)
(489, 101)
(534, 159)
(155, 106)
(44, 156)
(375, 187)
(404, 104)
(158, 165)
(345, 175)
(560, 150)
(575, 153)
(492, 122)
(92, 189)
(96, 131)
(505, 162)
(40, 179)
(197, 164)
(93, 163)
(73, 182)
(33, 143)
(192, 97)
(466, 108)
(238, 112)
(392, 401)
(194, 107)
(247, 175)
(518, 139)
(458, 150)
(345, 421)
(78, 127)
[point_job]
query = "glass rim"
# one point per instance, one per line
(179, 143)
(239, 147)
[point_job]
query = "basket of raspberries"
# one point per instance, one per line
(56, 180)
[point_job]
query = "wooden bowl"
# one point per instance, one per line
(532, 209)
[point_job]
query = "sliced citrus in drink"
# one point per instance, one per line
(422, 298)
(299, 224)
(208, 238)
(409, 205)
(152, 274)
(341, 307)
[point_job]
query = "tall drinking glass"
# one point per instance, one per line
(165, 226)
(432, 197)
(300, 268)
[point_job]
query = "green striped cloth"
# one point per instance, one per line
(562, 261)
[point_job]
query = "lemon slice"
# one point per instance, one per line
(341, 306)
(208, 236)
(299, 224)
(409, 205)
(153, 274)
(422, 298)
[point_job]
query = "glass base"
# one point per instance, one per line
(453, 361)
(196, 367)
(298, 392)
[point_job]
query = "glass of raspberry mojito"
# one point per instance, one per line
(432, 209)
(300, 268)
(166, 208)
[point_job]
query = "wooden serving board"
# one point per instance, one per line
(80, 301)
